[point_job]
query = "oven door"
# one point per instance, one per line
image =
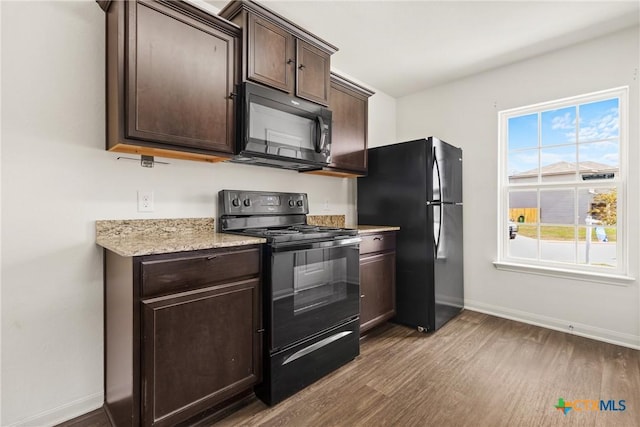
(313, 288)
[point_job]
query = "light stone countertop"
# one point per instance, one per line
(369, 229)
(159, 236)
(327, 220)
(339, 221)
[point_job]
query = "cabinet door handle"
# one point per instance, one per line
(232, 95)
(260, 331)
(290, 61)
(209, 258)
(377, 238)
(301, 66)
(362, 296)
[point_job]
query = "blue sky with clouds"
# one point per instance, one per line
(596, 135)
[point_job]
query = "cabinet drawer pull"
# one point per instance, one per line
(362, 296)
(260, 331)
(377, 238)
(301, 66)
(209, 258)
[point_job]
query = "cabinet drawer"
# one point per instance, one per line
(191, 272)
(378, 242)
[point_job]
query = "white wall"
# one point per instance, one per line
(57, 179)
(382, 120)
(465, 113)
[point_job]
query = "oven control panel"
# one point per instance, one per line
(238, 202)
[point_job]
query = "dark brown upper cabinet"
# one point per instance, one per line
(349, 105)
(280, 54)
(312, 73)
(270, 60)
(171, 72)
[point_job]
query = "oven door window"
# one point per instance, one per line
(313, 290)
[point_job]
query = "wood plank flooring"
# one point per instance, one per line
(478, 370)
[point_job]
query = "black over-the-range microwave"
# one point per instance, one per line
(278, 130)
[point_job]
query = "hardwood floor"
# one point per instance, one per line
(478, 370)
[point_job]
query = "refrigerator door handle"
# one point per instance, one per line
(436, 232)
(436, 176)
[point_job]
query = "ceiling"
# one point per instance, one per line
(402, 47)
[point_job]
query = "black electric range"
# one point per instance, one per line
(311, 288)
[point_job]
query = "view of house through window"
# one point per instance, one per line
(562, 182)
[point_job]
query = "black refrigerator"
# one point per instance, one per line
(417, 185)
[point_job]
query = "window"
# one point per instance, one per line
(562, 184)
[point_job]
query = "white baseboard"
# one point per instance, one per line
(579, 329)
(63, 413)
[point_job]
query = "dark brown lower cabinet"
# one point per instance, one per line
(172, 356)
(377, 279)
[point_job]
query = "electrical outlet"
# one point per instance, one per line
(145, 201)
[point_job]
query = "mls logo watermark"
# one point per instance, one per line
(584, 405)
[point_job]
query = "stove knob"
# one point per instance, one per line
(299, 203)
(235, 202)
(291, 203)
(247, 202)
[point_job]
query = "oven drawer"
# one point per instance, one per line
(378, 242)
(185, 272)
(294, 368)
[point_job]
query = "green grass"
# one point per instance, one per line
(562, 233)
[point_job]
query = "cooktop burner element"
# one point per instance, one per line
(278, 217)
(276, 232)
(298, 233)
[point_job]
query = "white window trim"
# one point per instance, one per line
(616, 276)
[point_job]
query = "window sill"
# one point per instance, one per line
(611, 279)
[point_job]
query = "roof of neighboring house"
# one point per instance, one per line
(562, 168)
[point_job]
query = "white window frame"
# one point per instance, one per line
(620, 273)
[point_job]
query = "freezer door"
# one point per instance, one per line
(448, 261)
(446, 169)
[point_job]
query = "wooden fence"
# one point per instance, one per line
(527, 215)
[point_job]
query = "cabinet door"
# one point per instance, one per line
(312, 81)
(270, 54)
(377, 289)
(199, 348)
(349, 132)
(180, 75)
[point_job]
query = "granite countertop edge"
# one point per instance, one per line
(160, 236)
(368, 229)
(140, 245)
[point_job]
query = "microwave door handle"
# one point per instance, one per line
(320, 140)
